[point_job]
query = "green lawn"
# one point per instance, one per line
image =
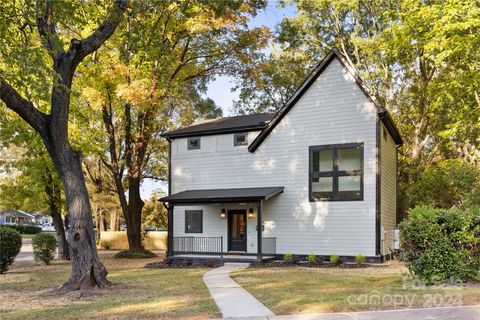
(136, 293)
(308, 290)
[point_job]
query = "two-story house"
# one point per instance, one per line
(318, 176)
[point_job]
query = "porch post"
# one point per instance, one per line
(259, 230)
(170, 231)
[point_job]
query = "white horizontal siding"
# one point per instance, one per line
(388, 190)
(334, 110)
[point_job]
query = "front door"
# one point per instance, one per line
(237, 230)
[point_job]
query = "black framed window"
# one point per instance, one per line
(240, 139)
(193, 221)
(193, 143)
(336, 172)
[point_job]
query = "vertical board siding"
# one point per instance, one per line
(333, 111)
(388, 185)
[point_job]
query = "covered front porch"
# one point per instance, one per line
(225, 224)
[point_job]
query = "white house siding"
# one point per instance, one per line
(333, 111)
(388, 189)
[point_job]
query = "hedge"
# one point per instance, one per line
(441, 245)
(24, 229)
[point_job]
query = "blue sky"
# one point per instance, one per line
(220, 89)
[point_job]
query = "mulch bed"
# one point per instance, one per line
(184, 264)
(305, 264)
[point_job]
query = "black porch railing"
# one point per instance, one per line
(202, 245)
(269, 245)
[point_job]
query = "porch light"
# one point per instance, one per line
(223, 215)
(250, 213)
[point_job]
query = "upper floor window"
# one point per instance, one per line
(336, 172)
(240, 139)
(193, 221)
(193, 143)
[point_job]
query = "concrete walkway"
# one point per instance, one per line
(442, 313)
(232, 300)
(26, 252)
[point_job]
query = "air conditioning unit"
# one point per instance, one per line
(396, 239)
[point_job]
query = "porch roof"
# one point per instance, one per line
(222, 195)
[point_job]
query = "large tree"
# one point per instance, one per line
(151, 78)
(40, 51)
(30, 182)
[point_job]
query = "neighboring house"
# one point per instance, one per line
(318, 176)
(16, 217)
(42, 219)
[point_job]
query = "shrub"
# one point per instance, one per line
(441, 244)
(10, 245)
(134, 254)
(360, 258)
(312, 258)
(25, 229)
(288, 257)
(44, 247)
(336, 259)
(105, 244)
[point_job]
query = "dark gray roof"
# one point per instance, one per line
(223, 195)
(223, 125)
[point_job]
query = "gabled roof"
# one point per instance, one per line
(223, 125)
(222, 195)
(17, 213)
(333, 54)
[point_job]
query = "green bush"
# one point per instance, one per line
(10, 245)
(312, 258)
(44, 247)
(288, 257)
(25, 229)
(360, 259)
(134, 254)
(336, 259)
(440, 244)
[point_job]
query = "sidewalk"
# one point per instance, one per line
(232, 300)
(442, 313)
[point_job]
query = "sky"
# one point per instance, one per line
(220, 89)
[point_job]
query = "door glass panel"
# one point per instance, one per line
(349, 159)
(238, 226)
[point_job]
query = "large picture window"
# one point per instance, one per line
(336, 172)
(193, 221)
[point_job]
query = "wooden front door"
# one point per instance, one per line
(237, 230)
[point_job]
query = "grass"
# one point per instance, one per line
(136, 293)
(28, 236)
(310, 290)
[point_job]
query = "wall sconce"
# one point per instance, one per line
(250, 213)
(223, 215)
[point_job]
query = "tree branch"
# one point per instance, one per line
(79, 49)
(46, 29)
(24, 108)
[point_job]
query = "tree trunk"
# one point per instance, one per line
(135, 207)
(63, 250)
(53, 193)
(87, 270)
(114, 220)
